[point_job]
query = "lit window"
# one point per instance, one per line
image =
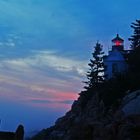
(117, 43)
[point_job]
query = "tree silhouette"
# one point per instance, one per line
(135, 38)
(134, 57)
(95, 75)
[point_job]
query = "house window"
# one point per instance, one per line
(114, 68)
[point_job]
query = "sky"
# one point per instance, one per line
(45, 46)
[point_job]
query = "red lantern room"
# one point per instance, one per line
(118, 43)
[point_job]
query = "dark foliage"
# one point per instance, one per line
(135, 38)
(114, 90)
(134, 56)
(95, 75)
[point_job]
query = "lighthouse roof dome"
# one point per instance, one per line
(117, 38)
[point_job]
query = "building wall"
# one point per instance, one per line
(120, 67)
(115, 63)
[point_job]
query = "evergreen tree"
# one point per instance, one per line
(95, 75)
(135, 38)
(134, 56)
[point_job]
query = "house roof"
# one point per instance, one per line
(117, 38)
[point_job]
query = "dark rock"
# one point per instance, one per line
(18, 135)
(93, 122)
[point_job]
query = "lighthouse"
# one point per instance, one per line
(116, 60)
(118, 43)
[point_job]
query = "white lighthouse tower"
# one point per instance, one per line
(115, 60)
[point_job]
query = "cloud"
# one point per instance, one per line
(43, 74)
(27, 93)
(60, 63)
(8, 39)
(51, 101)
(46, 59)
(43, 68)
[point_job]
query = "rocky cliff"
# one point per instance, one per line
(18, 135)
(88, 119)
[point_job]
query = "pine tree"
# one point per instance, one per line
(95, 75)
(134, 56)
(135, 38)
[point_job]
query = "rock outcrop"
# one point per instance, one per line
(88, 119)
(18, 135)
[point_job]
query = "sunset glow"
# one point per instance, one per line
(45, 48)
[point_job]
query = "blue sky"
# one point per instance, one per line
(45, 46)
